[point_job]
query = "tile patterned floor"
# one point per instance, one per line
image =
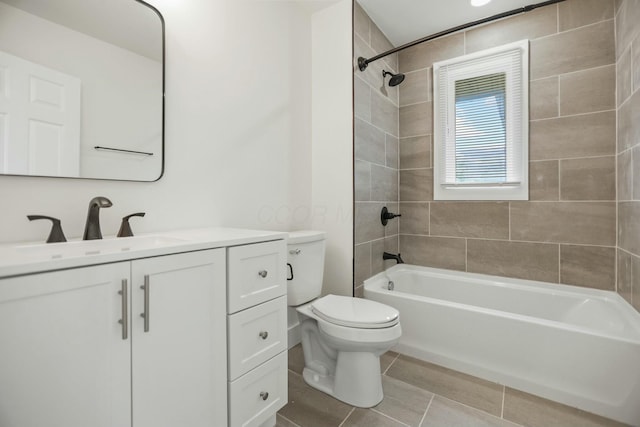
(420, 394)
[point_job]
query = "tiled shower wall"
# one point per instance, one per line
(376, 150)
(566, 232)
(628, 102)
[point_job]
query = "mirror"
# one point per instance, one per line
(81, 89)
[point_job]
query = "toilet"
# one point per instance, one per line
(342, 337)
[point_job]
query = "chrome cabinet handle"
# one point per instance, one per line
(264, 335)
(264, 395)
(262, 273)
(125, 308)
(145, 314)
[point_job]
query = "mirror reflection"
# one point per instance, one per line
(81, 89)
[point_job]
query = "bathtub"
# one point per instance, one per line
(577, 346)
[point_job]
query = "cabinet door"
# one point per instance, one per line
(63, 359)
(179, 363)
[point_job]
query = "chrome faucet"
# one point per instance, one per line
(92, 227)
(398, 259)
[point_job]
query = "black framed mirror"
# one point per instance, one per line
(82, 89)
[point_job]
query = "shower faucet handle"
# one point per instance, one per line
(385, 215)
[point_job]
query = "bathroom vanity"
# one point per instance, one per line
(175, 329)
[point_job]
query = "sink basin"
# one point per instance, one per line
(97, 247)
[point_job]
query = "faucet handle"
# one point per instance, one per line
(125, 228)
(56, 235)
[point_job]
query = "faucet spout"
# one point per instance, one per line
(92, 227)
(398, 258)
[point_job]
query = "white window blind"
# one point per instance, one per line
(481, 125)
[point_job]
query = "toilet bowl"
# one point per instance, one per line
(342, 337)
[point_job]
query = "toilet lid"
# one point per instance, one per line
(355, 312)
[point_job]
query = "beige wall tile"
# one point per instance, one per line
(623, 77)
(470, 219)
(384, 183)
(415, 218)
(384, 114)
(589, 266)
(588, 90)
(627, 24)
(358, 291)
(415, 152)
(588, 179)
(361, 22)
(448, 413)
(635, 171)
(362, 263)
(629, 122)
(439, 252)
(416, 185)
(635, 282)
(367, 220)
(389, 244)
(629, 227)
(362, 181)
(591, 223)
(460, 387)
(403, 402)
(425, 54)
(524, 408)
(393, 154)
(585, 47)
(416, 119)
(373, 73)
(543, 98)
(543, 180)
(624, 286)
(310, 407)
(369, 143)
(533, 261)
(618, 3)
(577, 13)
(537, 23)
(362, 99)
(625, 176)
(587, 135)
(380, 44)
(415, 87)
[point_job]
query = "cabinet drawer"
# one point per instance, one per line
(256, 273)
(256, 335)
(257, 395)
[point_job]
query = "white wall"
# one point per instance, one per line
(332, 151)
(238, 139)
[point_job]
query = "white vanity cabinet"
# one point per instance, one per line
(257, 333)
(74, 351)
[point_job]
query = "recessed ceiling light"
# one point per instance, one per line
(478, 3)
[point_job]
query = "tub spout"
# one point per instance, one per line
(398, 258)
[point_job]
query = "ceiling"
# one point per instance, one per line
(404, 21)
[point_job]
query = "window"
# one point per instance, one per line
(481, 125)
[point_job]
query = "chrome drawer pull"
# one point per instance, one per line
(125, 309)
(264, 395)
(262, 273)
(264, 335)
(145, 315)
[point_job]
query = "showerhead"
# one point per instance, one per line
(395, 80)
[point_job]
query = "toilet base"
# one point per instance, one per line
(357, 380)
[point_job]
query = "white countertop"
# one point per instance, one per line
(18, 259)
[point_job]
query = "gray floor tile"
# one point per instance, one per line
(309, 407)
(386, 360)
(403, 402)
(296, 359)
(447, 413)
(368, 418)
(283, 422)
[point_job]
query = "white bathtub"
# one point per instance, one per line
(577, 346)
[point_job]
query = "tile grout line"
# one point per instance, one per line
(347, 417)
(392, 362)
(504, 392)
(427, 410)
(295, 424)
(388, 416)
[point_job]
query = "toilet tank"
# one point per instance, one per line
(305, 255)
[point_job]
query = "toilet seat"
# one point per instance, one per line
(354, 312)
